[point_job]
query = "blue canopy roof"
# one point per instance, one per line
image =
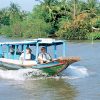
(41, 41)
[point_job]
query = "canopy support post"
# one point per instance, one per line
(7, 47)
(1, 49)
(37, 51)
(64, 49)
(25, 46)
(55, 51)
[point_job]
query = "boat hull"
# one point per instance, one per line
(55, 70)
(51, 69)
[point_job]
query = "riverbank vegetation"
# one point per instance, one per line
(66, 19)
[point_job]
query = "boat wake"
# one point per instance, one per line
(21, 74)
(72, 72)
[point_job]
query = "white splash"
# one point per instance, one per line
(20, 74)
(74, 72)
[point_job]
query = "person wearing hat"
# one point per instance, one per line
(44, 57)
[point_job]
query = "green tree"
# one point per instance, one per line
(4, 18)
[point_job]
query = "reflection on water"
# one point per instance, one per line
(51, 89)
(44, 89)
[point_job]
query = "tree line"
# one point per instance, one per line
(66, 19)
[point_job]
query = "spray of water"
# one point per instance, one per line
(21, 74)
(72, 72)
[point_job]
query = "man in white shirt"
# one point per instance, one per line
(44, 57)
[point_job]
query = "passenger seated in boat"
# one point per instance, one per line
(27, 58)
(11, 50)
(44, 57)
(18, 52)
(27, 55)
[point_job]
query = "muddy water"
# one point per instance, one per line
(81, 81)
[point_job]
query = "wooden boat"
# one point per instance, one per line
(52, 68)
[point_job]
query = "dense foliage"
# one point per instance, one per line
(67, 19)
